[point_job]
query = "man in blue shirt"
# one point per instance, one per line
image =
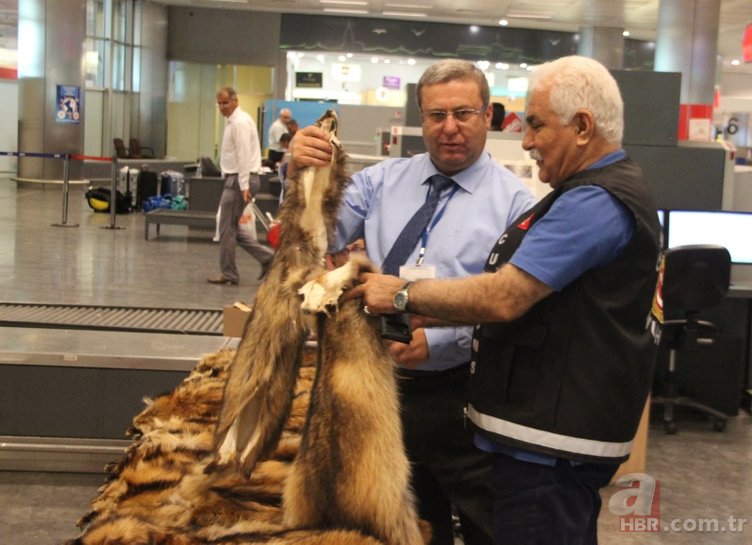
(483, 199)
(562, 359)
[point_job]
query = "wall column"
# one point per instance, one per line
(51, 41)
(687, 42)
(604, 44)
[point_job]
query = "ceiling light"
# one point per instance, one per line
(528, 15)
(503, 22)
(735, 62)
(351, 11)
(474, 29)
(411, 62)
(374, 60)
(406, 6)
(626, 33)
(404, 14)
(345, 2)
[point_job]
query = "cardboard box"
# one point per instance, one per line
(234, 318)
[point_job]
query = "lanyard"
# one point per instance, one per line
(429, 228)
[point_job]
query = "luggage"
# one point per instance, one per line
(171, 183)
(99, 199)
(147, 185)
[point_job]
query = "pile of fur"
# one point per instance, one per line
(273, 443)
(142, 503)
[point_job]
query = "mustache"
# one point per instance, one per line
(535, 155)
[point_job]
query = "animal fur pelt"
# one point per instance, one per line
(249, 449)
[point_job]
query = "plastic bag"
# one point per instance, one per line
(247, 222)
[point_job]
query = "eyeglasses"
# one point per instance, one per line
(464, 115)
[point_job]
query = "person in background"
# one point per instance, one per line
(239, 159)
(292, 127)
(473, 199)
(562, 357)
(276, 130)
(499, 114)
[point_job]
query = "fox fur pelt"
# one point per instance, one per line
(273, 443)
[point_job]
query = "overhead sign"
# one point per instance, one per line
(345, 72)
(313, 80)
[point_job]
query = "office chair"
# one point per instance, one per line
(693, 278)
(121, 152)
(138, 151)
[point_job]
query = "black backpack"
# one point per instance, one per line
(99, 200)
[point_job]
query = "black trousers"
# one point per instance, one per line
(537, 504)
(448, 469)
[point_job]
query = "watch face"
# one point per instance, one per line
(400, 300)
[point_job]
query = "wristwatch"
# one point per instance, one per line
(401, 298)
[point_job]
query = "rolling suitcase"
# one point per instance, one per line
(147, 185)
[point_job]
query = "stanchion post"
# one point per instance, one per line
(113, 196)
(66, 190)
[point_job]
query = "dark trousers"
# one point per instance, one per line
(447, 467)
(536, 504)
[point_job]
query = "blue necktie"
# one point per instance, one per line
(414, 228)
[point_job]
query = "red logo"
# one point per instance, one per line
(525, 224)
(637, 506)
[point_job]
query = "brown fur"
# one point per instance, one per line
(351, 471)
(348, 484)
(259, 389)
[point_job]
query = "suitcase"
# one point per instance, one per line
(147, 185)
(172, 183)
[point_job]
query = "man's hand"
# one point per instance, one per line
(377, 291)
(246, 196)
(309, 147)
(410, 355)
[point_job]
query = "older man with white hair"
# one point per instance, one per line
(276, 130)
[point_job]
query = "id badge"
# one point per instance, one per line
(411, 273)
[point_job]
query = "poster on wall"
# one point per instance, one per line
(68, 104)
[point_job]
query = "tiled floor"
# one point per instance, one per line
(703, 476)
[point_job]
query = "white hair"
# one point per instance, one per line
(577, 82)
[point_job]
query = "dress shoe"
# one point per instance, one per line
(265, 269)
(219, 279)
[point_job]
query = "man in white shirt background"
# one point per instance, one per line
(277, 129)
(240, 160)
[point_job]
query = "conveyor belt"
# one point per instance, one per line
(145, 320)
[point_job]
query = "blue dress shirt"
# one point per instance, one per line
(382, 198)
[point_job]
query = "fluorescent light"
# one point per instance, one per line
(528, 15)
(231, 1)
(407, 6)
(352, 11)
(345, 2)
(404, 14)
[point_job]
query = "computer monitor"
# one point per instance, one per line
(728, 229)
